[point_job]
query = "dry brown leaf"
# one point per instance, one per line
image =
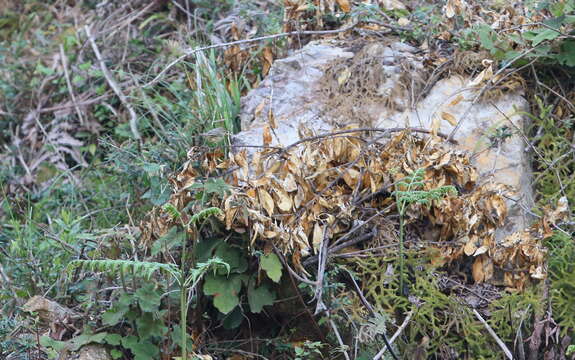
(435, 125)
(266, 201)
(457, 100)
(268, 59)
(260, 108)
(267, 136)
(285, 202)
(344, 5)
(449, 118)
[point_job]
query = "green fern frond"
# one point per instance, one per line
(202, 268)
(410, 194)
(172, 211)
(204, 214)
(144, 269)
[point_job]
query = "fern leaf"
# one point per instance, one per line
(115, 267)
(204, 214)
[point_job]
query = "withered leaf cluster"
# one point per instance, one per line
(299, 197)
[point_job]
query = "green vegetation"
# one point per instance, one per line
(77, 187)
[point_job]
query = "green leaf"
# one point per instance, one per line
(567, 54)
(142, 350)
(113, 339)
(546, 34)
(116, 354)
(48, 342)
(233, 257)
(172, 238)
(76, 343)
(149, 326)
(205, 249)
(233, 319)
(272, 265)
(216, 186)
(259, 297)
(485, 37)
(118, 311)
(160, 191)
(148, 298)
(225, 291)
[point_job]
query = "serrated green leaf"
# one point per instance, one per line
(225, 291)
(148, 326)
(116, 354)
(151, 168)
(272, 265)
(148, 298)
(259, 297)
(113, 339)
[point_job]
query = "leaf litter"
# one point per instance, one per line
(338, 189)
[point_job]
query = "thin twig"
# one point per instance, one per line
(349, 131)
(395, 336)
(335, 249)
(114, 85)
(339, 339)
(244, 41)
(291, 271)
(493, 334)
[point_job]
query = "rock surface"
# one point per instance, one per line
(391, 74)
(92, 352)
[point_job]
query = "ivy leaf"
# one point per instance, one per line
(259, 297)
(225, 291)
(148, 298)
(272, 266)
